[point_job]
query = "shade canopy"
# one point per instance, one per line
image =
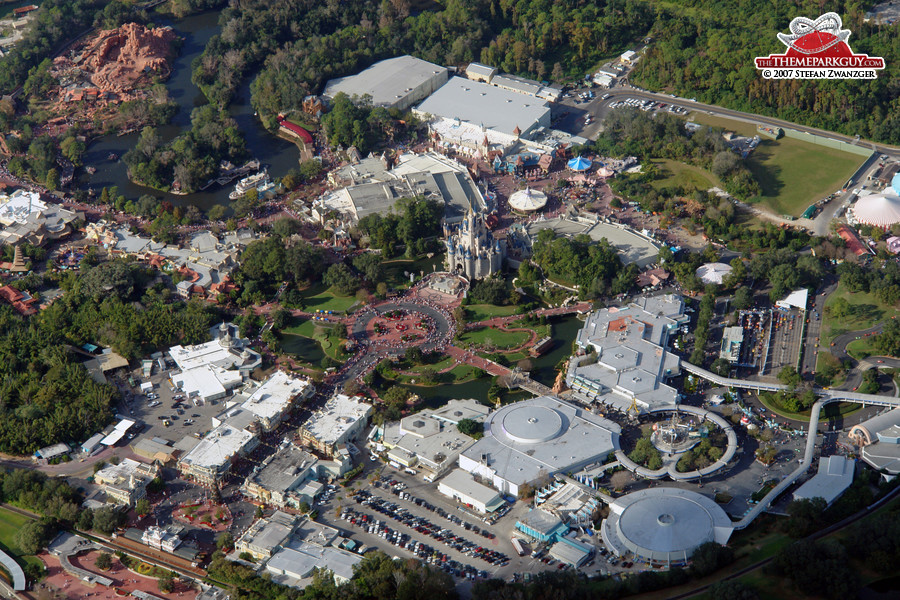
(579, 164)
(528, 200)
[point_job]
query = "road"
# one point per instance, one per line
(599, 107)
(814, 328)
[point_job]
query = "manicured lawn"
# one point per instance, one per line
(499, 339)
(329, 337)
(792, 173)
(483, 312)
(830, 411)
(862, 348)
(317, 297)
(394, 269)
(683, 175)
(10, 523)
(867, 311)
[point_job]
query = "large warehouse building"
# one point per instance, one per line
(393, 83)
(529, 440)
(489, 107)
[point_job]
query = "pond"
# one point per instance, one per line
(304, 348)
(280, 155)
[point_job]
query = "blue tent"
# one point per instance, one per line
(579, 164)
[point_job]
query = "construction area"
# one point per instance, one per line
(108, 68)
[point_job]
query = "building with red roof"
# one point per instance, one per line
(295, 130)
(853, 242)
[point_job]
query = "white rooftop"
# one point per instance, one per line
(664, 523)
(387, 81)
(834, 476)
(16, 207)
(631, 359)
(541, 435)
(336, 417)
(796, 299)
(486, 105)
(218, 447)
(206, 381)
(299, 560)
(274, 396)
(462, 482)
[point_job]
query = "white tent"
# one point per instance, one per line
(713, 272)
(879, 210)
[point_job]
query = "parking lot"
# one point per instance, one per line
(785, 341)
(185, 420)
(404, 521)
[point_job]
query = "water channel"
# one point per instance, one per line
(280, 155)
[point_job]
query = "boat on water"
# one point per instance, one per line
(248, 183)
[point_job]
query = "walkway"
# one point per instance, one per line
(826, 397)
(18, 575)
(516, 378)
(580, 308)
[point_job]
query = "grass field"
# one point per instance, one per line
(867, 311)
(862, 348)
(500, 339)
(10, 523)
(792, 173)
(483, 312)
(830, 411)
(683, 175)
(318, 297)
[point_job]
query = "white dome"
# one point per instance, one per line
(713, 272)
(528, 200)
(880, 210)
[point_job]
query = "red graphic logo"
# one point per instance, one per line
(818, 50)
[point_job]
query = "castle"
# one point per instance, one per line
(471, 249)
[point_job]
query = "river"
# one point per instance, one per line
(280, 155)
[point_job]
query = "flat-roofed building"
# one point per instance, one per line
(622, 357)
(835, 475)
(341, 420)
(274, 398)
(479, 72)
(210, 460)
(265, 537)
(517, 84)
(280, 479)
(490, 107)
(431, 439)
(126, 482)
(526, 441)
(732, 338)
(300, 560)
(393, 83)
(462, 487)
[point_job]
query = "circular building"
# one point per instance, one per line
(879, 210)
(713, 272)
(664, 524)
(528, 200)
(580, 164)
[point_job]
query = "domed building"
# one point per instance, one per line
(713, 272)
(532, 439)
(664, 524)
(881, 209)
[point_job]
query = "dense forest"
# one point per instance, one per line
(706, 49)
(47, 395)
(594, 266)
(542, 39)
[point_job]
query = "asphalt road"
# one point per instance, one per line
(598, 108)
(814, 328)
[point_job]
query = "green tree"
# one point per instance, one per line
(32, 536)
(104, 561)
(142, 507)
(471, 428)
